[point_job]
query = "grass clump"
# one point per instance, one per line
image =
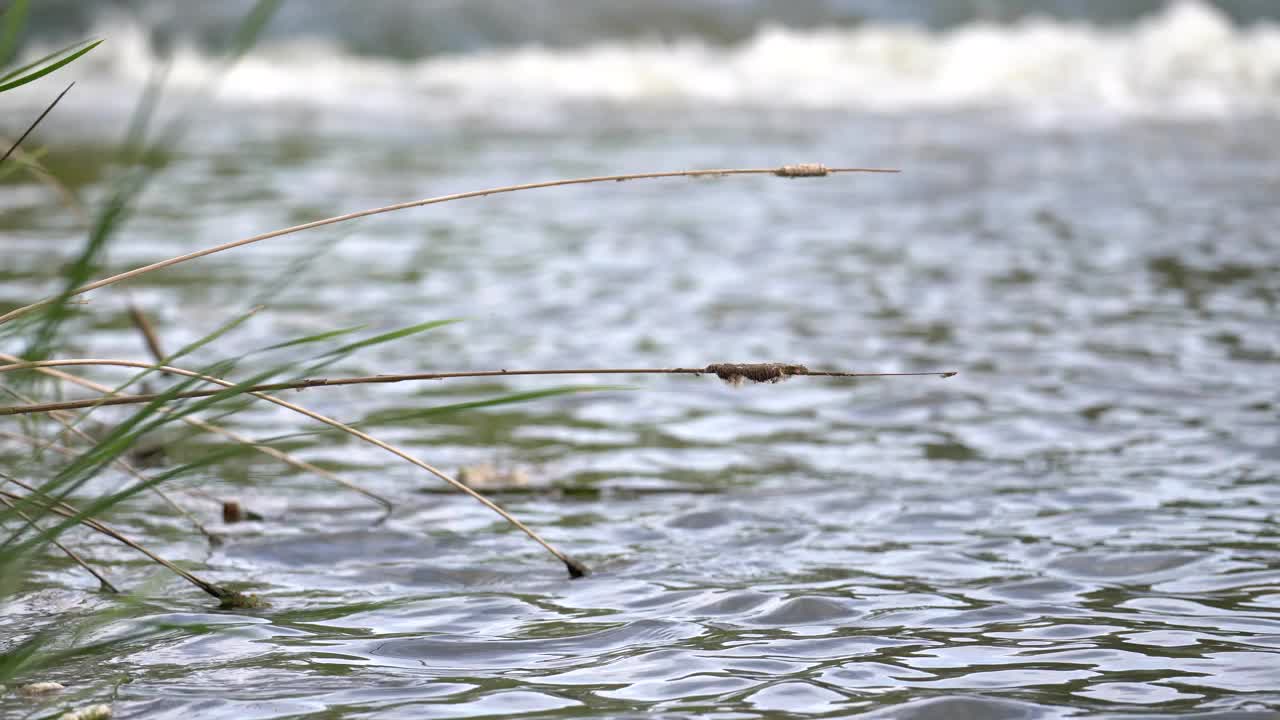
(36, 510)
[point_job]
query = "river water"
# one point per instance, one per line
(1081, 523)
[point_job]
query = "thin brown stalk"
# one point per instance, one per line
(151, 339)
(731, 372)
(63, 450)
(102, 580)
(789, 171)
(68, 511)
(68, 422)
(229, 434)
(148, 332)
(575, 568)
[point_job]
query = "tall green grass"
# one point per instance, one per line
(52, 495)
(36, 510)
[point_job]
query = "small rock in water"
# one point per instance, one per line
(489, 477)
(40, 688)
(93, 712)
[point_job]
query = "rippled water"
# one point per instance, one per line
(1082, 522)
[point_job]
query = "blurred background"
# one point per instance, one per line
(410, 29)
(1082, 522)
(403, 60)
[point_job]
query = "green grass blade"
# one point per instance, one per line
(389, 417)
(393, 335)
(246, 36)
(218, 369)
(400, 416)
(127, 434)
(318, 337)
(37, 74)
(115, 210)
(217, 333)
(41, 60)
(105, 502)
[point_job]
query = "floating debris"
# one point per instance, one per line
(36, 689)
(93, 712)
(233, 512)
(485, 476)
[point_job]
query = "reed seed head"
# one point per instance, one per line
(738, 373)
(802, 170)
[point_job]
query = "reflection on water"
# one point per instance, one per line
(1082, 521)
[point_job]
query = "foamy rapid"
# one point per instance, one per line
(1189, 60)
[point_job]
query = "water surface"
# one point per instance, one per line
(1082, 523)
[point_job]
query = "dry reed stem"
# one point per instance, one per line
(152, 340)
(790, 171)
(68, 452)
(575, 568)
(106, 584)
(70, 426)
(147, 331)
(733, 373)
(229, 434)
(68, 511)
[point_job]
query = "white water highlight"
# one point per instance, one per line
(1188, 61)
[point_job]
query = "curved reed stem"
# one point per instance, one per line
(788, 171)
(67, 421)
(68, 511)
(280, 455)
(575, 568)
(105, 583)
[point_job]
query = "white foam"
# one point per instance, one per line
(1187, 61)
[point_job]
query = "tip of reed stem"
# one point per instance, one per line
(233, 600)
(575, 568)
